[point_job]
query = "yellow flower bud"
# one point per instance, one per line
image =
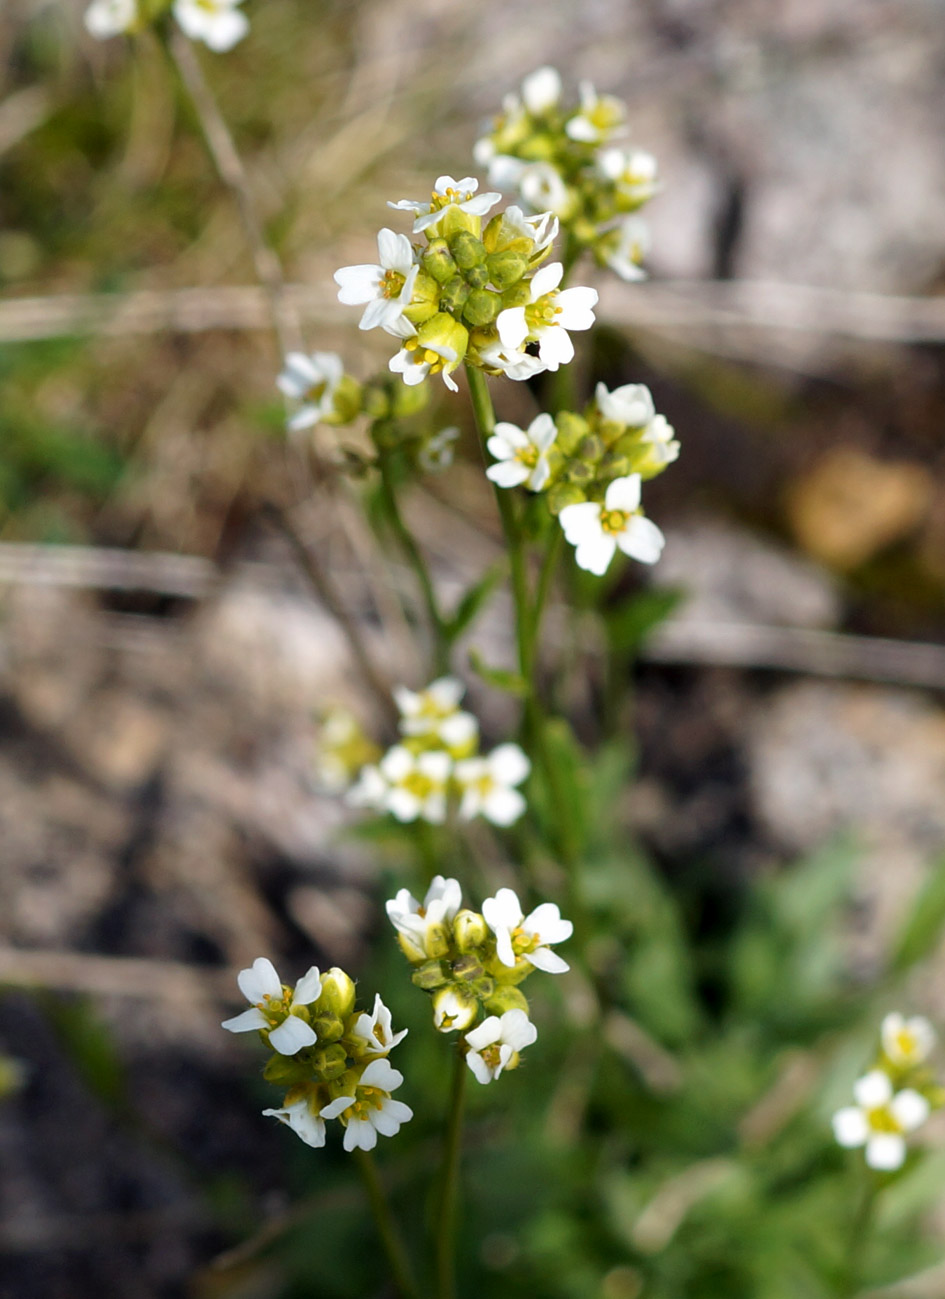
(454, 1009)
(469, 930)
(506, 998)
(337, 994)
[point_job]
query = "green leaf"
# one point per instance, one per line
(629, 624)
(513, 683)
(924, 925)
(473, 601)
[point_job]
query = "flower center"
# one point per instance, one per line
(882, 1119)
(522, 942)
(368, 1098)
(613, 521)
(419, 785)
(541, 314)
(392, 283)
(906, 1044)
(528, 456)
(491, 1055)
(447, 198)
(316, 392)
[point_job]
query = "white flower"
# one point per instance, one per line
(370, 790)
(386, 288)
(880, 1120)
(273, 1006)
(374, 1031)
(437, 453)
(550, 314)
(422, 712)
(371, 1110)
(488, 785)
(414, 920)
(218, 23)
(907, 1042)
(598, 530)
(624, 248)
(416, 783)
(303, 1121)
(541, 90)
(311, 380)
(543, 189)
(631, 171)
(517, 935)
(664, 448)
(631, 405)
(416, 361)
(448, 193)
(496, 1043)
(601, 116)
(105, 18)
(513, 363)
(521, 454)
(541, 228)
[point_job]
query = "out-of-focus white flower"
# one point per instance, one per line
(385, 287)
(273, 1006)
(437, 453)
(600, 118)
(541, 90)
(662, 445)
(541, 227)
(521, 453)
(425, 713)
(448, 193)
(416, 783)
(518, 935)
(371, 1110)
(548, 317)
(624, 248)
(303, 1120)
(488, 785)
(907, 1042)
(312, 381)
(105, 18)
(496, 1043)
(543, 188)
(514, 363)
(598, 530)
(880, 1120)
(375, 1032)
(218, 23)
(632, 171)
(369, 790)
(420, 924)
(631, 405)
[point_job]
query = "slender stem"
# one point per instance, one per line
(449, 1191)
(440, 648)
(852, 1277)
(545, 577)
(230, 167)
(401, 1271)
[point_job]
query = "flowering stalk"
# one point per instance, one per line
(400, 1268)
(449, 1192)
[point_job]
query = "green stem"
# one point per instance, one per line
(440, 650)
(852, 1277)
(449, 1189)
(545, 577)
(400, 1269)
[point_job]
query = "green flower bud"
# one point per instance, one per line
(330, 1061)
(385, 434)
(328, 1027)
(518, 295)
(579, 472)
(425, 299)
(409, 399)
(347, 401)
(506, 268)
(467, 968)
(484, 987)
(437, 940)
(375, 399)
(430, 975)
(482, 307)
(467, 250)
(571, 429)
(438, 261)
(563, 494)
(506, 998)
(446, 338)
(469, 930)
(454, 295)
(454, 221)
(477, 277)
(591, 449)
(286, 1070)
(614, 466)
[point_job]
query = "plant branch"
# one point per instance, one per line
(401, 1271)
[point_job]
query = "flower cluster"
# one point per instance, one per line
(472, 964)
(592, 467)
(331, 1058)
(569, 162)
(437, 760)
(895, 1097)
(220, 24)
(470, 293)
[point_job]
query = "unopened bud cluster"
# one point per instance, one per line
(895, 1097)
(471, 292)
(567, 161)
(437, 763)
(591, 468)
(330, 1058)
(472, 964)
(220, 24)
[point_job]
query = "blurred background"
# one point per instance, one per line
(163, 663)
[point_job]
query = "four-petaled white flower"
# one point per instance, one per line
(413, 920)
(417, 361)
(907, 1042)
(105, 18)
(386, 288)
(303, 1120)
(448, 193)
(598, 530)
(375, 1032)
(880, 1120)
(631, 405)
(312, 381)
(541, 228)
(601, 116)
(631, 171)
(624, 248)
(218, 23)
(528, 937)
(513, 363)
(371, 1110)
(434, 712)
(663, 446)
(549, 315)
(488, 785)
(437, 452)
(521, 454)
(541, 90)
(496, 1043)
(273, 1006)
(543, 188)
(416, 783)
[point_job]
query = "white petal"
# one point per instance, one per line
(395, 251)
(357, 284)
(448, 891)
(518, 1030)
(580, 522)
(595, 553)
(403, 805)
(503, 947)
(576, 307)
(380, 313)
(542, 431)
(508, 473)
(873, 1090)
(260, 981)
(481, 1070)
(336, 1107)
(623, 493)
(386, 1123)
(481, 204)
(310, 1127)
(541, 90)
(360, 1135)
(459, 730)
(504, 911)
(546, 921)
(555, 347)
(308, 988)
(398, 1111)
(910, 1109)
(513, 437)
(546, 279)
(435, 764)
(397, 763)
(509, 765)
(539, 475)
(245, 1023)
(381, 1073)
(642, 540)
(512, 327)
(484, 1034)
(543, 958)
(292, 1035)
(503, 806)
(885, 1151)
(851, 1127)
